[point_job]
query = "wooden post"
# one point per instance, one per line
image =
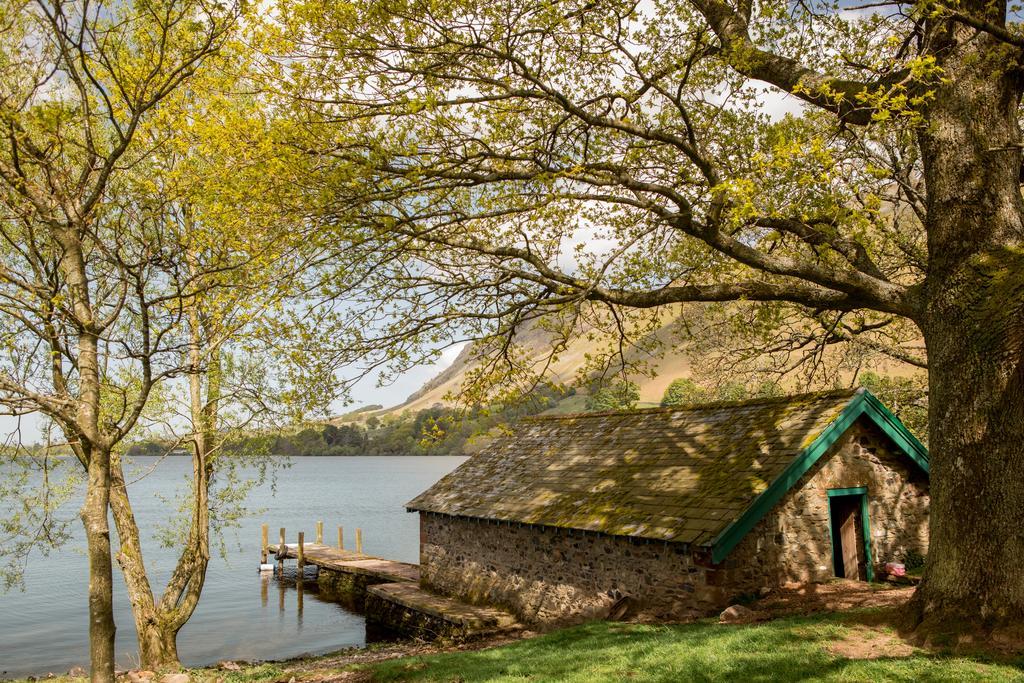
(302, 554)
(359, 540)
(281, 548)
(341, 539)
(263, 544)
(320, 533)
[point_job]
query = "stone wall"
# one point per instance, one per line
(545, 574)
(346, 587)
(389, 618)
(792, 544)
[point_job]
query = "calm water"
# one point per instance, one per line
(241, 615)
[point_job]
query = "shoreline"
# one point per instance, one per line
(372, 653)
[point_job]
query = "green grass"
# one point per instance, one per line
(790, 649)
(793, 649)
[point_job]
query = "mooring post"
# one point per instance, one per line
(263, 544)
(320, 533)
(302, 553)
(341, 539)
(359, 540)
(281, 550)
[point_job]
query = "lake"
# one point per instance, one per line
(242, 615)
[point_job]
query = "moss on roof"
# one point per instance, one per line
(677, 474)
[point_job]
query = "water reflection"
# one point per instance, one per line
(288, 579)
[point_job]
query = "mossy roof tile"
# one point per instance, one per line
(680, 474)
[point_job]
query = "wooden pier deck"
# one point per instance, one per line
(350, 562)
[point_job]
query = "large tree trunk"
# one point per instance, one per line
(973, 324)
(158, 623)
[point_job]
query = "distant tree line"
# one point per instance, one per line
(438, 430)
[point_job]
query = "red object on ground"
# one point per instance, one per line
(895, 569)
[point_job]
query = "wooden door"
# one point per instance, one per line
(848, 536)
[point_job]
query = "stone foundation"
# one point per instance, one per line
(408, 622)
(346, 587)
(548, 574)
(406, 609)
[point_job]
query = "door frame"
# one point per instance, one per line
(862, 492)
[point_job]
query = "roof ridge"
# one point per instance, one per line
(711, 405)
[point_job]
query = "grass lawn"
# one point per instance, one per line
(829, 647)
(821, 647)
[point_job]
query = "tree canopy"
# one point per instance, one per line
(593, 165)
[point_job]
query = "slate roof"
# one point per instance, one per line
(673, 474)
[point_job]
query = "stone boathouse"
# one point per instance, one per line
(676, 512)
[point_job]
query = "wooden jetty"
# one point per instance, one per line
(326, 557)
(387, 591)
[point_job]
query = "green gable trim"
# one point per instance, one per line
(863, 404)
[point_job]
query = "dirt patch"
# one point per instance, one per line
(835, 596)
(868, 635)
(863, 642)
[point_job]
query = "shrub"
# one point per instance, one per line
(618, 396)
(682, 391)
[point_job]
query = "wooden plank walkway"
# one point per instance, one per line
(351, 562)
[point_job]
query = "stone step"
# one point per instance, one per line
(407, 608)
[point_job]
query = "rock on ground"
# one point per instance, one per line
(175, 678)
(738, 614)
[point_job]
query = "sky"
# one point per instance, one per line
(366, 393)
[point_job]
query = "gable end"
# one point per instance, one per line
(864, 404)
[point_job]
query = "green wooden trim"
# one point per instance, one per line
(896, 430)
(847, 492)
(865, 518)
(862, 404)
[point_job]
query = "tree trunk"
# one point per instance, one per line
(94, 452)
(158, 623)
(973, 324)
(101, 585)
(157, 642)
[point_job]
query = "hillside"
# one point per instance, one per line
(668, 364)
(537, 343)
